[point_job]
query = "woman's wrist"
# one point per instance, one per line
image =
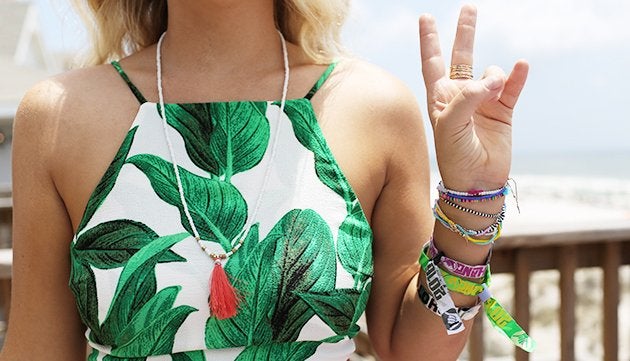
(471, 185)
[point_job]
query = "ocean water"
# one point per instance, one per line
(596, 164)
(591, 188)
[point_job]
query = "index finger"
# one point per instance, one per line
(430, 53)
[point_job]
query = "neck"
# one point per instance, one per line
(225, 34)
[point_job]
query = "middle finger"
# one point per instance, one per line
(465, 37)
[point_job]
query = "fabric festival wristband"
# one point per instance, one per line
(454, 283)
(498, 316)
(502, 321)
(455, 267)
(445, 306)
(466, 313)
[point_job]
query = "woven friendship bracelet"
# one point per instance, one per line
(455, 267)
(474, 212)
(493, 230)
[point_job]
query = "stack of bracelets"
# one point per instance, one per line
(445, 275)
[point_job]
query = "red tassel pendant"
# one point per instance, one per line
(223, 300)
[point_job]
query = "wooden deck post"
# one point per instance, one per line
(567, 265)
(521, 296)
(611, 261)
(475, 341)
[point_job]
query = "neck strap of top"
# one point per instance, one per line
(131, 86)
(320, 82)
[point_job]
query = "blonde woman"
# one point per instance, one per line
(234, 189)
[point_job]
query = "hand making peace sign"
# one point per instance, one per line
(471, 119)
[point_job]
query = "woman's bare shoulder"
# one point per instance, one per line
(75, 114)
(70, 98)
(373, 84)
(380, 103)
(377, 97)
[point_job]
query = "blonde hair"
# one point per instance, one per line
(121, 27)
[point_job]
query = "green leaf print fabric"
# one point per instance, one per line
(306, 263)
(354, 245)
(303, 271)
(136, 287)
(217, 208)
(108, 180)
(355, 257)
(189, 356)
(222, 138)
(308, 133)
(111, 244)
(272, 309)
(336, 308)
(297, 351)
(140, 321)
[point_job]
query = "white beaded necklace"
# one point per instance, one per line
(218, 258)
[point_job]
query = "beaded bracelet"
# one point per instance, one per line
(474, 212)
(465, 313)
(471, 196)
(442, 188)
(455, 267)
(494, 229)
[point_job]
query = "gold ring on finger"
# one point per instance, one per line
(461, 71)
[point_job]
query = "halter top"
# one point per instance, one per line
(304, 270)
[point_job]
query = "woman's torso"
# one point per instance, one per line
(297, 200)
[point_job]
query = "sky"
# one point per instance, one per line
(576, 98)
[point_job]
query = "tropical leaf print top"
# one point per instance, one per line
(303, 272)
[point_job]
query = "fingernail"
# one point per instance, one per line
(493, 82)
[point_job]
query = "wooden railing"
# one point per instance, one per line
(565, 252)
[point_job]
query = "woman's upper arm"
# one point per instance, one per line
(401, 219)
(44, 323)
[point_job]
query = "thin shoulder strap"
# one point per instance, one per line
(322, 79)
(131, 86)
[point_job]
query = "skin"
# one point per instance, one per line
(69, 127)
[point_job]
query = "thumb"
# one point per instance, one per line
(459, 110)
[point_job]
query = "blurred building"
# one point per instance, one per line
(24, 60)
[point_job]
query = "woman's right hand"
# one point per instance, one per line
(471, 119)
